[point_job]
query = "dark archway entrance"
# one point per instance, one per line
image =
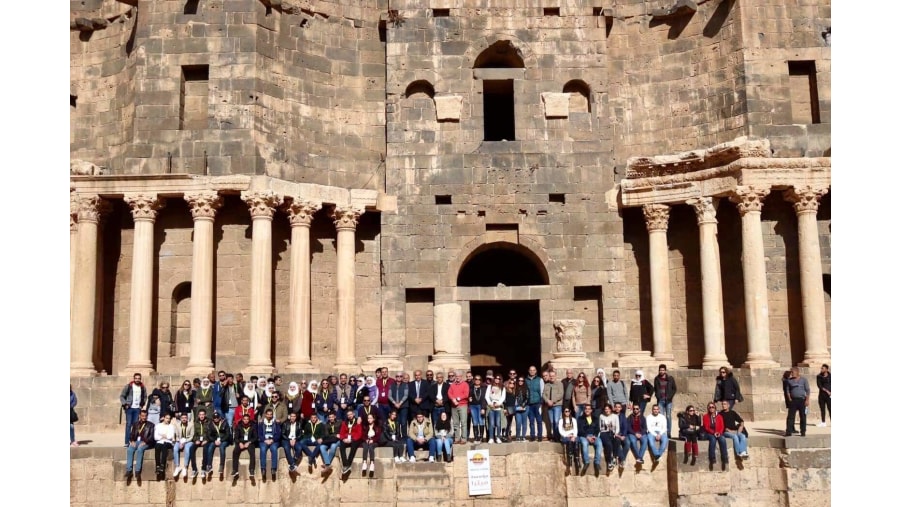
(505, 335)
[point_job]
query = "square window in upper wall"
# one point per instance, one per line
(191, 6)
(551, 11)
(443, 199)
(440, 13)
(804, 91)
(499, 110)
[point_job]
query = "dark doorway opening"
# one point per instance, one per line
(499, 110)
(504, 336)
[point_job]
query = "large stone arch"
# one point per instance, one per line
(477, 47)
(525, 246)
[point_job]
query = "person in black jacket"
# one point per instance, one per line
(823, 382)
(665, 389)
(392, 437)
(220, 438)
(589, 436)
(245, 439)
(641, 391)
(313, 433)
(727, 387)
(202, 442)
(420, 396)
(140, 439)
(292, 438)
(689, 425)
(438, 393)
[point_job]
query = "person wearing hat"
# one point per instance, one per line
(220, 437)
(641, 390)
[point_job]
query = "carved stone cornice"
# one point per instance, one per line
(301, 212)
(144, 206)
(656, 216)
(262, 204)
(805, 198)
(705, 208)
(203, 204)
(749, 198)
(345, 218)
(91, 208)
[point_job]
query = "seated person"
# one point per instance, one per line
(311, 439)
(221, 438)
(184, 443)
(588, 437)
(609, 429)
(269, 432)
(734, 429)
(636, 430)
(351, 436)
(391, 437)
(164, 436)
(443, 440)
(245, 439)
(657, 433)
(714, 426)
(330, 441)
(421, 436)
(139, 440)
(620, 442)
(291, 436)
(202, 443)
(567, 427)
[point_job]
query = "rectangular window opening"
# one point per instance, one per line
(499, 110)
(598, 11)
(443, 199)
(551, 11)
(382, 31)
(560, 198)
(420, 295)
(589, 299)
(194, 97)
(191, 6)
(804, 92)
(440, 13)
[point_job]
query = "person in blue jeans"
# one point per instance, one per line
(589, 436)
(664, 388)
(330, 441)
(220, 437)
(521, 409)
(734, 429)
(132, 398)
(636, 431)
(311, 439)
(140, 440)
(477, 398)
(535, 385)
(269, 432)
(73, 417)
(714, 427)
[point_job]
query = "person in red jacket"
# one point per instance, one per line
(244, 408)
(714, 426)
(351, 436)
(308, 402)
(372, 437)
(383, 382)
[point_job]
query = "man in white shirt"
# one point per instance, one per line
(657, 432)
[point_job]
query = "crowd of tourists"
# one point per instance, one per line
(339, 415)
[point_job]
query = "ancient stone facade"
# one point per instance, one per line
(304, 186)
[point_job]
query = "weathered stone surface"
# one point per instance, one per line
(448, 107)
(556, 105)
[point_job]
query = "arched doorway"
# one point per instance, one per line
(505, 334)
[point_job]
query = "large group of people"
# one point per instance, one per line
(320, 419)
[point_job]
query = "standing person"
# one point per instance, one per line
(279, 409)
(657, 434)
(797, 392)
(419, 395)
(164, 436)
(714, 426)
(823, 382)
(535, 398)
(689, 425)
(599, 392)
(163, 394)
(245, 439)
(398, 397)
(509, 409)
(372, 432)
(344, 395)
(569, 390)
(589, 436)
(439, 396)
(727, 387)
(230, 398)
(553, 400)
(184, 442)
(252, 398)
(323, 400)
(351, 436)
(581, 394)
(73, 417)
(567, 429)
(384, 383)
(269, 431)
(494, 401)
(202, 442)
(244, 408)
(459, 400)
(132, 398)
(221, 438)
(521, 398)
(203, 398)
(616, 390)
(476, 408)
(218, 390)
(636, 432)
(140, 440)
(734, 429)
(665, 389)
(308, 402)
(184, 400)
(391, 436)
(641, 390)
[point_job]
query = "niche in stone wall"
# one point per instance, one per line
(498, 67)
(579, 96)
(194, 97)
(191, 6)
(179, 343)
(804, 92)
(418, 106)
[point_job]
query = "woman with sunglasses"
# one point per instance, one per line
(581, 394)
(521, 408)
(184, 400)
(714, 426)
(495, 398)
(160, 403)
(689, 428)
(509, 409)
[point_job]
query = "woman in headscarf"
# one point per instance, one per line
(641, 390)
(308, 403)
(251, 394)
(373, 389)
(293, 398)
(203, 398)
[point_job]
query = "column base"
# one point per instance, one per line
(197, 371)
(145, 371)
(758, 363)
(715, 362)
(258, 369)
(447, 362)
(372, 363)
(301, 367)
(348, 367)
(571, 361)
(812, 360)
(83, 371)
(667, 358)
(633, 359)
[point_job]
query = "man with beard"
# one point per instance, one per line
(220, 437)
(202, 442)
(140, 440)
(245, 439)
(132, 398)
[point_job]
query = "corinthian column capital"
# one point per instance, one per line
(749, 198)
(656, 216)
(144, 206)
(73, 213)
(346, 218)
(301, 212)
(705, 208)
(203, 204)
(262, 204)
(805, 197)
(91, 208)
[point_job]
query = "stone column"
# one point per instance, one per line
(262, 208)
(144, 208)
(812, 295)
(203, 209)
(345, 220)
(85, 288)
(448, 338)
(301, 215)
(749, 200)
(73, 241)
(657, 217)
(710, 283)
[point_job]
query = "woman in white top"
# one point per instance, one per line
(164, 435)
(609, 428)
(495, 399)
(568, 435)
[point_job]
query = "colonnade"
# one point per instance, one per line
(749, 200)
(86, 213)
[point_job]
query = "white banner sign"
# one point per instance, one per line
(479, 463)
